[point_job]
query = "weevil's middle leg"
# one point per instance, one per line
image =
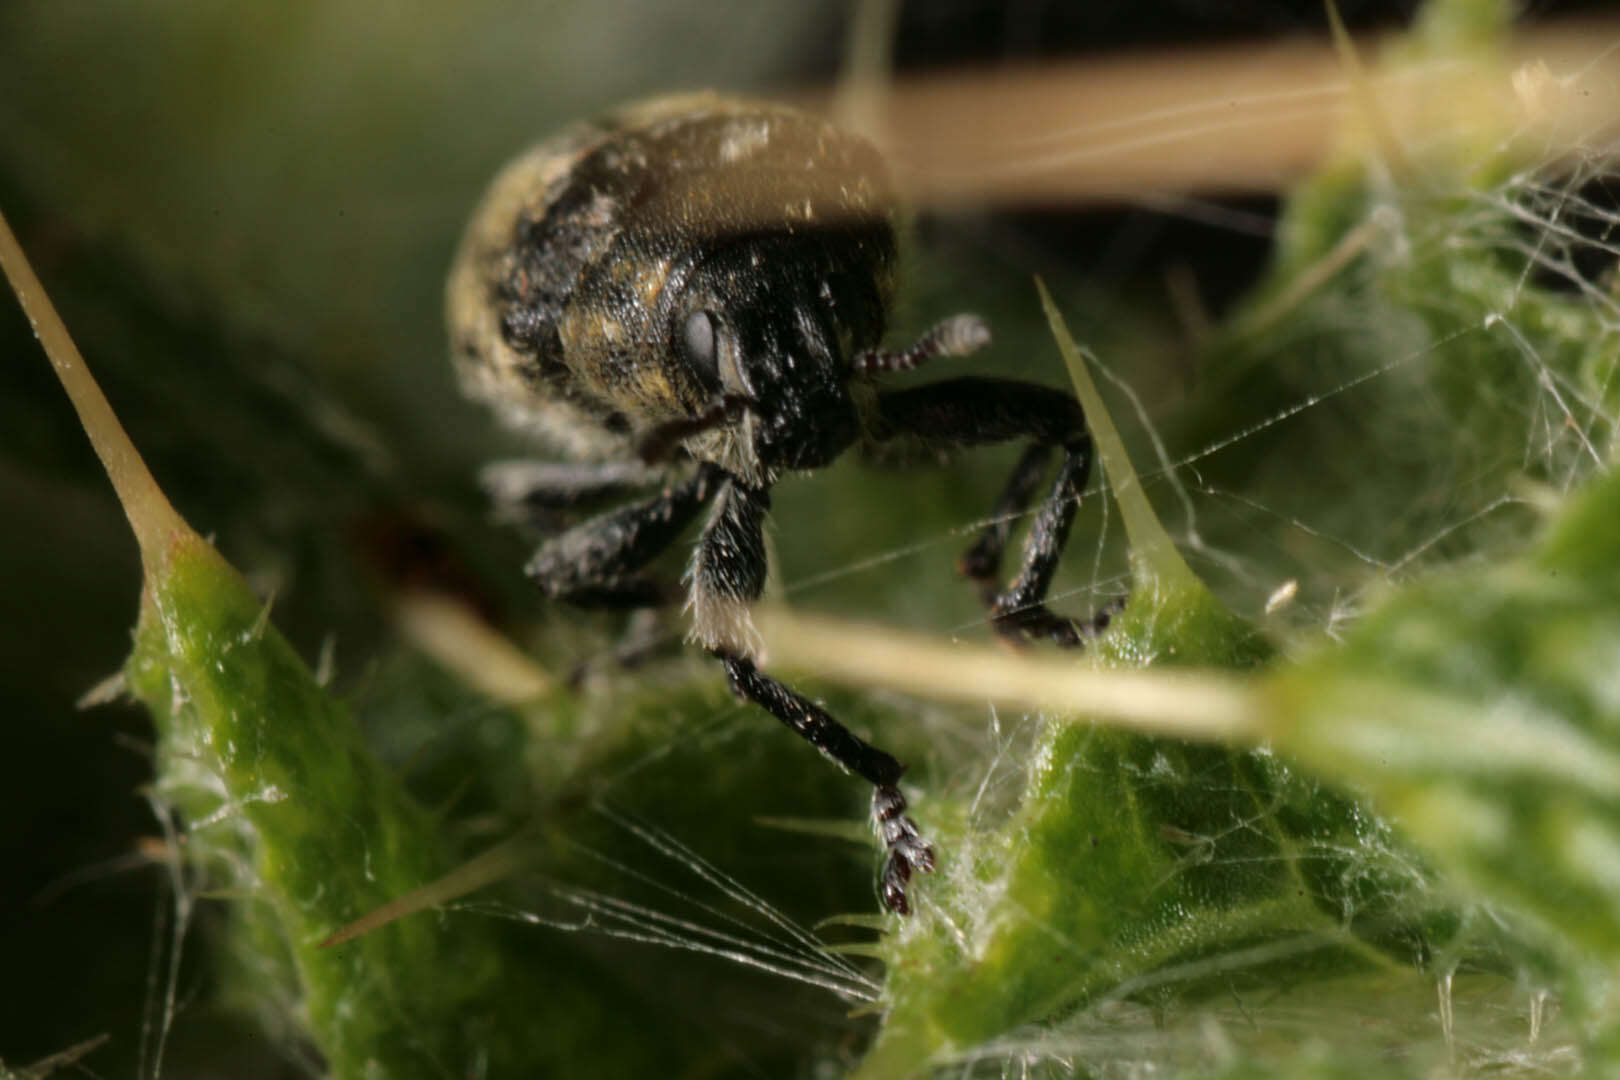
(521, 490)
(595, 563)
(598, 563)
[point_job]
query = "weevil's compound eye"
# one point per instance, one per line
(700, 347)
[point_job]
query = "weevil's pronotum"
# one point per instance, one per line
(690, 295)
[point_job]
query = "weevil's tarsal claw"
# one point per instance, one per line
(907, 850)
(895, 876)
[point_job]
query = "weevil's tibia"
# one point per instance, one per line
(906, 850)
(982, 561)
(959, 335)
(1022, 605)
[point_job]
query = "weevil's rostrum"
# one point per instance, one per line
(690, 296)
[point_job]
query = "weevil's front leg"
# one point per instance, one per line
(973, 411)
(727, 575)
(906, 850)
(594, 564)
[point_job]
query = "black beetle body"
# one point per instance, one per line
(573, 287)
(692, 292)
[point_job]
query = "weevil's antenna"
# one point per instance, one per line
(959, 335)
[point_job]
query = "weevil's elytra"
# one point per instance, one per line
(703, 283)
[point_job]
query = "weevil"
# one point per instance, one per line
(691, 294)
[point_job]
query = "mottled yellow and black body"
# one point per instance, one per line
(573, 285)
(691, 293)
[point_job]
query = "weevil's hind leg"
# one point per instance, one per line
(973, 411)
(906, 852)
(727, 575)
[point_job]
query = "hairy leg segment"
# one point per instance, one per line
(594, 564)
(905, 849)
(727, 575)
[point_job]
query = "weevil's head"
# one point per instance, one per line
(772, 234)
(772, 320)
